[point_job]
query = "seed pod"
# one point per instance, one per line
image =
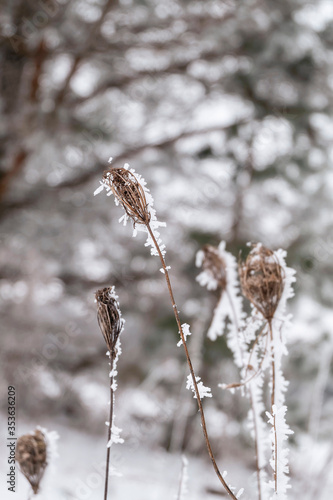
(129, 192)
(31, 455)
(261, 279)
(109, 317)
(214, 265)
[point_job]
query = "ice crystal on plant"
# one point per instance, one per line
(186, 333)
(115, 436)
(204, 392)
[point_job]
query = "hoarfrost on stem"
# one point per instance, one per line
(186, 333)
(204, 392)
(115, 436)
(280, 429)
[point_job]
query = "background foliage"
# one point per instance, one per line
(226, 109)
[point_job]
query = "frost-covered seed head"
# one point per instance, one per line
(109, 317)
(214, 265)
(261, 279)
(31, 455)
(129, 192)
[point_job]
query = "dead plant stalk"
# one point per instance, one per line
(189, 362)
(273, 401)
(255, 430)
(109, 432)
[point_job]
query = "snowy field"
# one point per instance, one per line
(139, 473)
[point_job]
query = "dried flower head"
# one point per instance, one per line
(214, 265)
(129, 192)
(262, 279)
(109, 317)
(31, 455)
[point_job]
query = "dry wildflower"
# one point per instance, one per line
(261, 278)
(214, 265)
(31, 455)
(129, 192)
(109, 317)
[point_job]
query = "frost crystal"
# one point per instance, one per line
(115, 436)
(204, 392)
(186, 332)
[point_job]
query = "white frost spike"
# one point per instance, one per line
(99, 189)
(240, 493)
(186, 332)
(124, 219)
(115, 436)
(204, 392)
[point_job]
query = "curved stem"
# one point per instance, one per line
(109, 433)
(273, 403)
(189, 362)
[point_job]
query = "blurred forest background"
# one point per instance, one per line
(226, 109)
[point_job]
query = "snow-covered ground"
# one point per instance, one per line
(140, 473)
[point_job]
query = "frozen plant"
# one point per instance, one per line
(258, 344)
(34, 452)
(111, 324)
(267, 283)
(220, 272)
(130, 191)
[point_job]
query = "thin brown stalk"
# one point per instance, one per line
(111, 325)
(109, 431)
(273, 402)
(189, 362)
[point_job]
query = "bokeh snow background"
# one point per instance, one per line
(226, 110)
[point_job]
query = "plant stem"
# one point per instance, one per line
(256, 447)
(109, 433)
(189, 362)
(255, 444)
(273, 403)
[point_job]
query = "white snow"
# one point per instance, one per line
(204, 392)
